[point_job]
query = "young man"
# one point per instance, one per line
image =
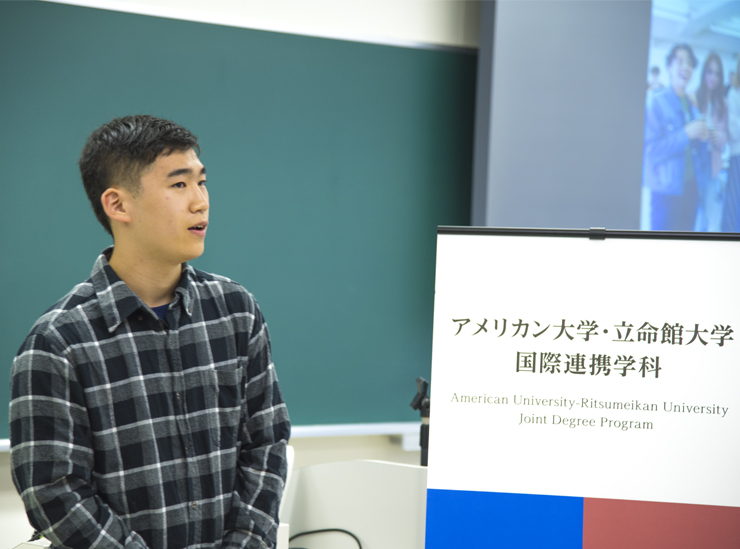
(145, 411)
(676, 160)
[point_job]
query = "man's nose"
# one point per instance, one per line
(199, 200)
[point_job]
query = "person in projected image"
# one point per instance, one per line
(731, 215)
(709, 99)
(654, 83)
(675, 159)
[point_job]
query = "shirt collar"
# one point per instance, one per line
(186, 289)
(118, 301)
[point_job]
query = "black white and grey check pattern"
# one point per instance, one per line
(127, 432)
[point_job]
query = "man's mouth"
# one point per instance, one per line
(199, 227)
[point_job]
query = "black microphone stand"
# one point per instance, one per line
(421, 403)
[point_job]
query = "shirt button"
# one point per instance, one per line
(140, 317)
(178, 396)
(190, 311)
(194, 505)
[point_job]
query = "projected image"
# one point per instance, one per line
(691, 155)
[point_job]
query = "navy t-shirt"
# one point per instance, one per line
(161, 311)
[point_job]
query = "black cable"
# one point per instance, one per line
(326, 530)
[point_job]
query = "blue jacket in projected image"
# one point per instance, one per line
(665, 143)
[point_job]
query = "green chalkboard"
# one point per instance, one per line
(330, 165)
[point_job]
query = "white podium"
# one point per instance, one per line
(383, 504)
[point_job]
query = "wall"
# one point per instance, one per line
(445, 23)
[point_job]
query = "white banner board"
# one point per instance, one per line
(578, 369)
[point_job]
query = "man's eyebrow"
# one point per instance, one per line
(184, 171)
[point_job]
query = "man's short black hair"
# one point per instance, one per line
(118, 152)
(686, 48)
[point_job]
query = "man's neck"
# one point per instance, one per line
(154, 282)
(680, 91)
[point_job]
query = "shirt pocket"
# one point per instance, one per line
(229, 384)
(226, 398)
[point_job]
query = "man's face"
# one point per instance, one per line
(712, 75)
(169, 213)
(680, 69)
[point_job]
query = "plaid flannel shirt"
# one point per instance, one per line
(127, 432)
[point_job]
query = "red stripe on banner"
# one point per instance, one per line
(621, 524)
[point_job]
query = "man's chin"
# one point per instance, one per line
(195, 254)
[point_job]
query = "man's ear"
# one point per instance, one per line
(115, 203)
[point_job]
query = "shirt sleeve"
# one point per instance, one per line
(663, 138)
(51, 454)
(262, 464)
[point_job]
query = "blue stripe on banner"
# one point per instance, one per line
(457, 518)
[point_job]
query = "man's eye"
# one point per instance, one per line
(203, 183)
(179, 185)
